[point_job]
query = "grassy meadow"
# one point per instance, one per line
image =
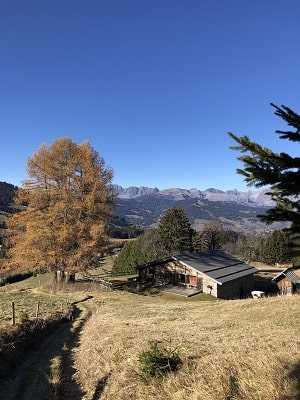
(245, 349)
(34, 297)
(229, 350)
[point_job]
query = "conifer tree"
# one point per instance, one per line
(67, 199)
(145, 249)
(278, 171)
(175, 231)
(274, 247)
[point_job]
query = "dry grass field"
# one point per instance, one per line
(33, 297)
(230, 350)
(243, 350)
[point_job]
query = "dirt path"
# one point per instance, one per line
(31, 379)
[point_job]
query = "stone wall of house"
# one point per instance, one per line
(209, 286)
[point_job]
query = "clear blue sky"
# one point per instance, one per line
(153, 85)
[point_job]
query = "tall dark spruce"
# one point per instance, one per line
(280, 172)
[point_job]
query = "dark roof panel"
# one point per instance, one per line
(217, 265)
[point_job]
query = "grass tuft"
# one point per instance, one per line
(55, 373)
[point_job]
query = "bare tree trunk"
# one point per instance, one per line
(54, 276)
(69, 277)
(59, 276)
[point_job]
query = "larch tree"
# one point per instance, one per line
(175, 231)
(67, 204)
(278, 171)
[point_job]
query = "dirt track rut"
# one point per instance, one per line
(30, 379)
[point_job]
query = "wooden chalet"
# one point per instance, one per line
(286, 281)
(214, 272)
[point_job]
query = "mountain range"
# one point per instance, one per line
(234, 209)
(257, 198)
(143, 206)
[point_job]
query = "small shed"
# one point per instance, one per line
(214, 272)
(286, 281)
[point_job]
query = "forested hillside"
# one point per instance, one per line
(146, 211)
(7, 192)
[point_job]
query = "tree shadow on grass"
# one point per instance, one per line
(69, 388)
(294, 375)
(34, 377)
(100, 387)
(83, 300)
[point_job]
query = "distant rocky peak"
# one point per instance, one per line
(132, 191)
(213, 190)
(255, 198)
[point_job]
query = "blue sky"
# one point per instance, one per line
(153, 85)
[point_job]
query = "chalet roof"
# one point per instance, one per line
(289, 273)
(217, 265)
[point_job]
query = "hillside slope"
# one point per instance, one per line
(243, 349)
(239, 349)
(7, 193)
(147, 209)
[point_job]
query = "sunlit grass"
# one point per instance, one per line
(238, 350)
(246, 349)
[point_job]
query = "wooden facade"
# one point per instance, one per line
(216, 274)
(286, 282)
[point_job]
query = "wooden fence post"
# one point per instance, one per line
(13, 313)
(37, 310)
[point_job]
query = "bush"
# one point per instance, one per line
(15, 278)
(24, 318)
(157, 361)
